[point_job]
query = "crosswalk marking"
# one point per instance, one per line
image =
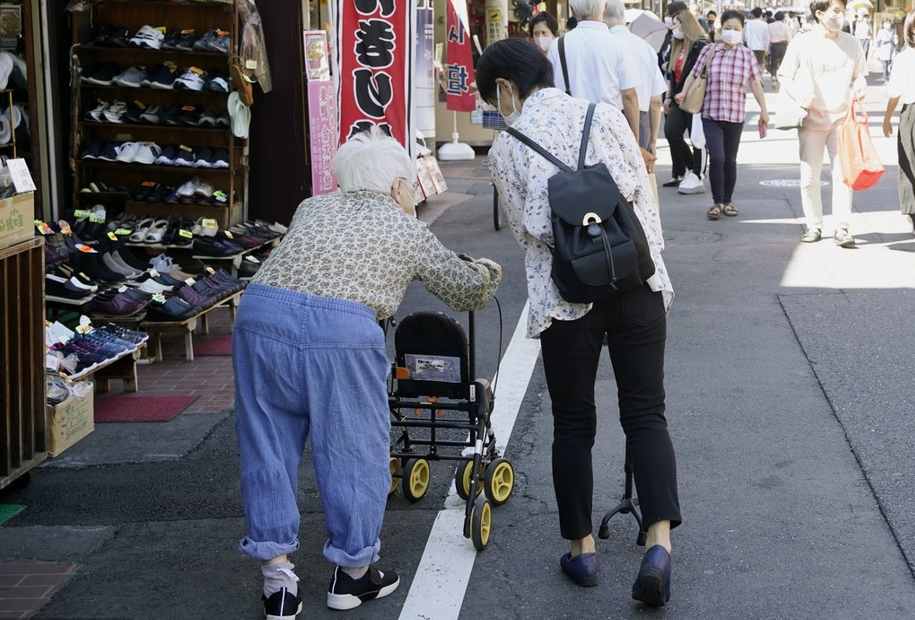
(444, 571)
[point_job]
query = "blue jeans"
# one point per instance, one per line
(311, 365)
(722, 139)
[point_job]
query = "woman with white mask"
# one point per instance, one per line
(818, 68)
(543, 29)
(513, 76)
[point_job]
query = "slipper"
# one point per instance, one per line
(714, 212)
(157, 231)
(240, 115)
(729, 209)
(143, 226)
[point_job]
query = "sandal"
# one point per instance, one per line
(729, 209)
(714, 212)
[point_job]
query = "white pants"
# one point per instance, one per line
(812, 142)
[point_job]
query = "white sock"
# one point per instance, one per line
(279, 576)
(356, 573)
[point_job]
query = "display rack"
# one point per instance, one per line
(134, 14)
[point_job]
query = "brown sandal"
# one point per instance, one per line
(729, 210)
(714, 212)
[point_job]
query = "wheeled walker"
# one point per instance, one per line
(441, 412)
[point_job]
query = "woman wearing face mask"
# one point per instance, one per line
(309, 360)
(731, 67)
(885, 47)
(543, 30)
(688, 41)
(819, 67)
(513, 76)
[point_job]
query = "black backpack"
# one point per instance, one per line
(600, 249)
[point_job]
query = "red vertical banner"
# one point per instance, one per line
(459, 70)
(375, 67)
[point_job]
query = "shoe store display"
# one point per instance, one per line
(147, 37)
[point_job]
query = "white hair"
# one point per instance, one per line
(588, 9)
(372, 160)
(616, 11)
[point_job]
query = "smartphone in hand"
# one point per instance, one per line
(763, 129)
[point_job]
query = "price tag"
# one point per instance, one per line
(251, 64)
(43, 228)
(80, 213)
(188, 31)
(188, 108)
(139, 104)
(19, 172)
(154, 273)
(148, 183)
(122, 231)
(228, 234)
(210, 269)
(112, 236)
(186, 148)
(65, 229)
(190, 281)
(197, 71)
(186, 234)
(209, 223)
(159, 297)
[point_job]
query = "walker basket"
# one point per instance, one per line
(432, 353)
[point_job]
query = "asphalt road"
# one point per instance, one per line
(790, 406)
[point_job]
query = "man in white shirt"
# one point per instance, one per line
(863, 31)
(600, 68)
(652, 80)
(756, 36)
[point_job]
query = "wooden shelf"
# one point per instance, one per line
(91, 47)
(94, 163)
(159, 128)
(149, 89)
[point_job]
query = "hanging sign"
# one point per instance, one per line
(375, 61)
(323, 136)
(459, 70)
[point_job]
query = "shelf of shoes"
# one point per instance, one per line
(134, 28)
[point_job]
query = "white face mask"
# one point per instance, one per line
(731, 37)
(669, 21)
(832, 23)
(677, 33)
(543, 42)
(511, 118)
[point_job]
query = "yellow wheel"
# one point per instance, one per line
(499, 481)
(462, 479)
(394, 465)
(480, 523)
(415, 479)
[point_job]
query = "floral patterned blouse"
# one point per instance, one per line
(360, 246)
(555, 120)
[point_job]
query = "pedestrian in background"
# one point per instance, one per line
(514, 77)
(756, 36)
(731, 68)
(885, 46)
(600, 67)
(651, 86)
(819, 67)
(309, 361)
(863, 31)
(901, 87)
(543, 29)
(712, 18)
(779, 37)
(686, 162)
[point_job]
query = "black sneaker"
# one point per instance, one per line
(133, 113)
(345, 592)
(110, 151)
(120, 37)
(103, 74)
(104, 34)
(170, 116)
(92, 150)
(170, 40)
(186, 40)
(190, 115)
(208, 118)
(282, 605)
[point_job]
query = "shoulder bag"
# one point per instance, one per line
(695, 96)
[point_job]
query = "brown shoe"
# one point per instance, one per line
(714, 213)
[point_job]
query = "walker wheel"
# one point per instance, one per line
(394, 466)
(499, 481)
(415, 479)
(480, 523)
(462, 480)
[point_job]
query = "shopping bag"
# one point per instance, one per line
(861, 167)
(788, 112)
(697, 133)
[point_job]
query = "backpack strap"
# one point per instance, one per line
(539, 149)
(585, 132)
(552, 158)
(565, 68)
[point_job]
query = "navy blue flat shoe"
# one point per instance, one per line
(582, 568)
(652, 586)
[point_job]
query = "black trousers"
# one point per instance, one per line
(722, 139)
(682, 156)
(636, 330)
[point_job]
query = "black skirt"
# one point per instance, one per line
(906, 149)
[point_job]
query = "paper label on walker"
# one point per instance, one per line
(440, 368)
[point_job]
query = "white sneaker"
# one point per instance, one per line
(114, 112)
(128, 152)
(147, 153)
(192, 79)
(691, 184)
(97, 113)
(148, 37)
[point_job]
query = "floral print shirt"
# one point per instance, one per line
(360, 246)
(555, 121)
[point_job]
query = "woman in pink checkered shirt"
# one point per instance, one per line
(723, 113)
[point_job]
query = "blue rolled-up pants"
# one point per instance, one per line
(310, 365)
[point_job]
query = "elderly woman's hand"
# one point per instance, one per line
(492, 265)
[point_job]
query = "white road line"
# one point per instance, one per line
(441, 578)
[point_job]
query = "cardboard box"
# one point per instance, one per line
(16, 217)
(70, 421)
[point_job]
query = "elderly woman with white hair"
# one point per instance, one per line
(309, 359)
